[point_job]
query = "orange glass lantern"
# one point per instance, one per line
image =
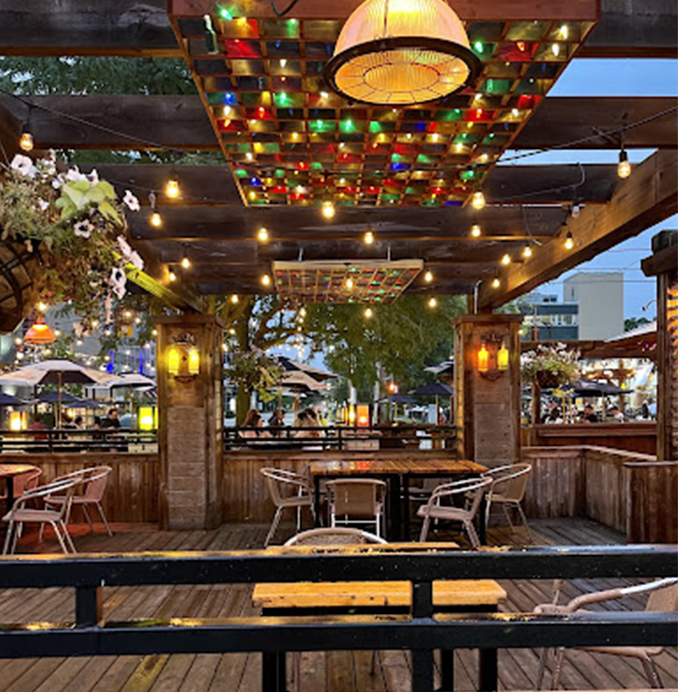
(503, 357)
(363, 416)
(40, 333)
(483, 359)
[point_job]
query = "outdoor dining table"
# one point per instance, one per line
(397, 473)
(9, 473)
(377, 598)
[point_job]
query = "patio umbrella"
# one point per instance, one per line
(584, 387)
(436, 389)
(9, 400)
(131, 380)
(59, 372)
(290, 365)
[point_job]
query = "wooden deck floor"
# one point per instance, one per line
(321, 672)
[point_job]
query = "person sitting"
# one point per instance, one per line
(589, 416)
(615, 414)
(37, 424)
(276, 422)
(307, 420)
(253, 421)
(554, 416)
(111, 420)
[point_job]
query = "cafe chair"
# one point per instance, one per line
(25, 512)
(663, 598)
(23, 483)
(357, 501)
(93, 482)
(280, 480)
(509, 484)
(440, 505)
(336, 536)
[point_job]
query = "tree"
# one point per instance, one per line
(634, 322)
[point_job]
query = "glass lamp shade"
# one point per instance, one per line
(401, 52)
(40, 333)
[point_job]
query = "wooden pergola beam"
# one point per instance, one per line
(648, 197)
(126, 28)
(181, 122)
(214, 185)
(562, 120)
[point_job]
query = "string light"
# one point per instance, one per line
(623, 167)
(156, 219)
(262, 235)
(476, 231)
(266, 280)
(527, 251)
(368, 313)
(368, 238)
(185, 261)
(26, 140)
(555, 49)
(328, 210)
(495, 282)
(478, 200)
(506, 259)
(432, 302)
(428, 277)
(569, 241)
(172, 189)
(348, 284)
(564, 32)
(172, 276)
(235, 299)
(42, 306)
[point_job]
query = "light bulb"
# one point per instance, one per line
(575, 210)
(172, 276)
(476, 231)
(302, 312)
(235, 299)
(564, 32)
(432, 302)
(368, 238)
(624, 167)
(26, 141)
(428, 277)
(555, 49)
(569, 241)
(349, 283)
(478, 200)
(156, 219)
(328, 210)
(527, 251)
(369, 313)
(172, 188)
(506, 259)
(262, 235)
(495, 282)
(266, 280)
(185, 262)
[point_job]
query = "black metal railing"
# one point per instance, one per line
(67, 440)
(90, 634)
(341, 437)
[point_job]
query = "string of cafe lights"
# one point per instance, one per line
(478, 201)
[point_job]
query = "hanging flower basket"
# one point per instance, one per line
(62, 239)
(548, 380)
(550, 366)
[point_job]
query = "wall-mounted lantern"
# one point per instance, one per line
(363, 416)
(183, 358)
(493, 357)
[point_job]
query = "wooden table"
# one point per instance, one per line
(374, 597)
(9, 472)
(397, 473)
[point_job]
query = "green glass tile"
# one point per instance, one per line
(449, 115)
(497, 86)
(241, 173)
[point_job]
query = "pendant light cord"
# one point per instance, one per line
(282, 13)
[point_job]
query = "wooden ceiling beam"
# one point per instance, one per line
(181, 122)
(126, 28)
(564, 120)
(648, 197)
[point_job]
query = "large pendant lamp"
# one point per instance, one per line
(401, 52)
(40, 334)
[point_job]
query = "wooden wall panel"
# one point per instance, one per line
(632, 437)
(132, 491)
(606, 500)
(652, 515)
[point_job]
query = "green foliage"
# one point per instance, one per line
(255, 371)
(634, 322)
(561, 363)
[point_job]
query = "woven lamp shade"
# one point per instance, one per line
(401, 52)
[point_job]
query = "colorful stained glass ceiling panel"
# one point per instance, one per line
(291, 140)
(373, 282)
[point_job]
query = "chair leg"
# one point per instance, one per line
(8, 537)
(68, 538)
(89, 520)
(507, 514)
(59, 536)
(524, 520)
(543, 656)
(274, 526)
(15, 538)
(424, 528)
(473, 536)
(103, 518)
(560, 655)
(651, 673)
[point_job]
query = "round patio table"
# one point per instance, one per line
(9, 472)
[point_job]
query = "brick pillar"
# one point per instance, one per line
(487, 407)
(190, 427)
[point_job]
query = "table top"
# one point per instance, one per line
(11, 470)
(363, 594)
(403, 467)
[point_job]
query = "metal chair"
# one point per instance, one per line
(93, 481)
(435, 509)
(277, 479)
(663, 598)
(508, 490)
(357, 501)
(335, 536)
(22, 514)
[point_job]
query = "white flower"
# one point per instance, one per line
(135, 259)
(74, 175)
(125, 247)
(57, 183)
(118, 281)
(83, 228)
(93, 177)
(131, 201)
(42, 204)
(22, 164)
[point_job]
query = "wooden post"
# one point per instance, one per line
(487, 407)
(190, 427)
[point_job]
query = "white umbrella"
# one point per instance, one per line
(57, 372)
(132, 379)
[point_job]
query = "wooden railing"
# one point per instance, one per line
(68, 440)
(421, 632)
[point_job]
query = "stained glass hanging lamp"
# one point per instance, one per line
(401, 52)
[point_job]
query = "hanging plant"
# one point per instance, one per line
(76, 224)
(550, 366)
